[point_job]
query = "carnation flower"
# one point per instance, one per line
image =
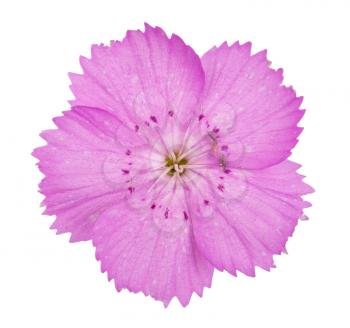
(174, 165)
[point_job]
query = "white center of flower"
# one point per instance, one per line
(176, 163)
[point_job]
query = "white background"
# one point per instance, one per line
(47, 282)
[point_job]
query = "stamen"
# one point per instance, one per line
(175, 164)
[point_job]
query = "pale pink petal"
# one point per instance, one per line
(145, 252)
(254, 213)
(254, 115)
(86, 169)
(142, 80)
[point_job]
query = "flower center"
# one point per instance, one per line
(176, 163)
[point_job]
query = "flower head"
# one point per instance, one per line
(174, 165)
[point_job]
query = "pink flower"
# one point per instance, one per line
(174, 165)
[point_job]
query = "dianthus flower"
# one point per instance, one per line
(174, 165)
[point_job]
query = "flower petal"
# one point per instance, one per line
(86, 169)
(255, 213)
(148, 253)
(142, 80)
(243, 99)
